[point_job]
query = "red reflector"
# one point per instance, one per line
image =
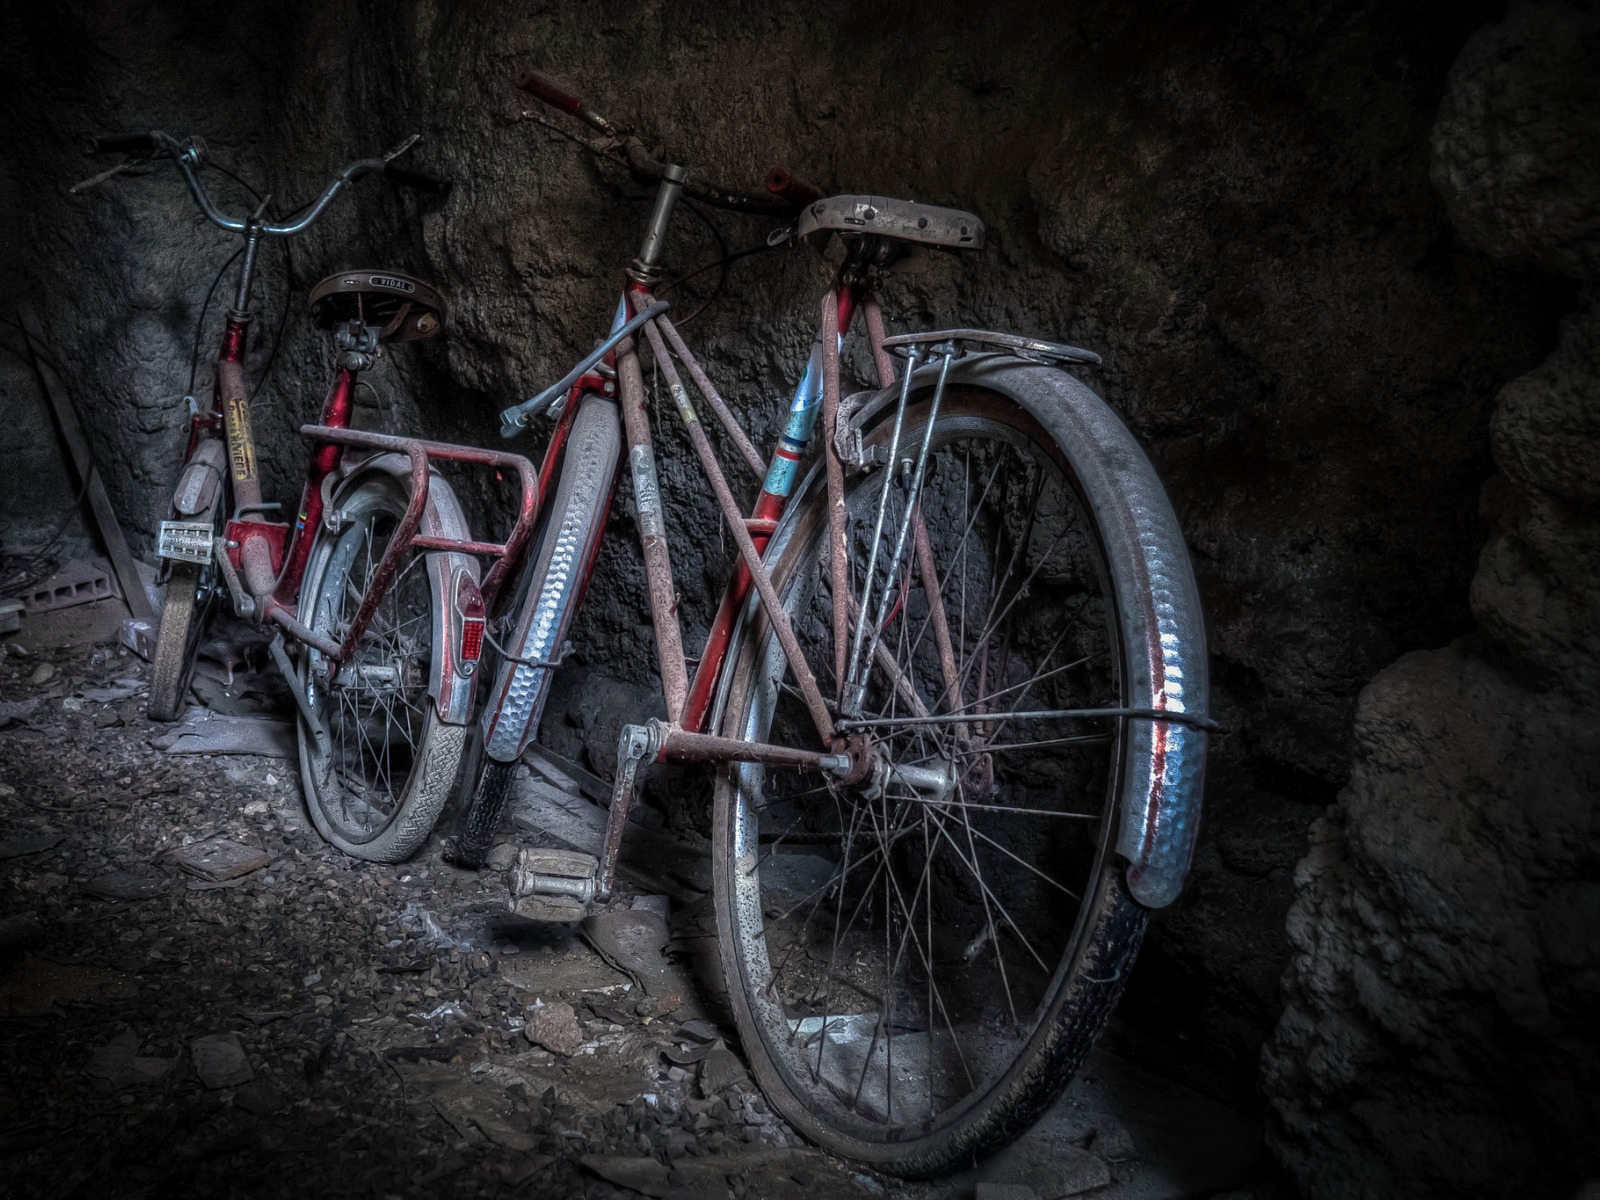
(471, 639)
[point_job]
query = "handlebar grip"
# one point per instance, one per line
(124, 143)
(422, 181)
(551, 92)
(786, 185)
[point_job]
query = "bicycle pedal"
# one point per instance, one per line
(552, 885)
(185, 541)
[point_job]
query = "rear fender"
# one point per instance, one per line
(449, 686)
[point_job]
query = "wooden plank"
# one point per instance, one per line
(105, 517)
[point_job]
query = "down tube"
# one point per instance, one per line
(804, 409)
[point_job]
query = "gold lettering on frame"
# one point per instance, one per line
(241, 443)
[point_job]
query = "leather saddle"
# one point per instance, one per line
(401, 307)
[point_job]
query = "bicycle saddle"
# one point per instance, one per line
(401, 307)
(902, 220)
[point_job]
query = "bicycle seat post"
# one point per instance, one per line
(645, 267)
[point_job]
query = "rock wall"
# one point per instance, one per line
(1439, 1038)
(1231, 203)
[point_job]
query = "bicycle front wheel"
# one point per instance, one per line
(185, 615)
(377, 787)
(918, 962)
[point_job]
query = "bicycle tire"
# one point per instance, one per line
(177, 643)
(777, 1022)
(484, 811)
(342, 787)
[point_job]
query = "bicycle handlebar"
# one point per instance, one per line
(125, 143)
(646, 168)
(421, 181)
(191, 154)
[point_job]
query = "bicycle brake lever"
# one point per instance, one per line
(84, 185)
(402, 147)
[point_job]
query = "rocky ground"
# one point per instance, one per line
(199, 997)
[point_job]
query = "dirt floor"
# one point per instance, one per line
(199, 997)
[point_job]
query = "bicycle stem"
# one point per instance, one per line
(655, 234)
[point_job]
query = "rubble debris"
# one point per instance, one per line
(220, 1061)
(220, 860)
(39, 986)
(1005, 1191)
(644, 1175)
(21, 931)
(1112, 1141)
(553, 1026)
(502, 856)
(633, 941)
(381, 1007)
(1067, 1171)
(661, 906)
(121, 689)
(29, 843)
(17, 710)
(700, 1029)
(210, 733)
(258, 1098)
(122, 885)
(138, 635)
(81, 581)
(481, 1101)
(576, 972)
(720, 1069)
(121, 1065)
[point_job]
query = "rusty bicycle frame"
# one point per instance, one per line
(614, 370)
(262, 562)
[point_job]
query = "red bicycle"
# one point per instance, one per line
(376, 580)
(955, 694)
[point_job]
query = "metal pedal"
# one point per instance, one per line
(553, 885)
(185, 541)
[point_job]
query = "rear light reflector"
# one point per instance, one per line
(469, 603)
(471, 639)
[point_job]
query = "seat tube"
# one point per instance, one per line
(804, 409)
(230, 395)
(336, 410)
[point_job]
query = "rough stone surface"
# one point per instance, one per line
(1232, 205)
(555, 1027)
(1514, 143)
(220, 1060)
(1439, 1036)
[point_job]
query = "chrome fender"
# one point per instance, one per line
(449, 687)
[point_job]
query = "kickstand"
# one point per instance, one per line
(319, 731)
(638, 744)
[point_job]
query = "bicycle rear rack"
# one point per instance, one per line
(421, 453)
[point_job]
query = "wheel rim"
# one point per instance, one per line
(376, 708)
(900, 941)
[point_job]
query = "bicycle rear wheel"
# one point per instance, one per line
(918, 963)
(378, 787)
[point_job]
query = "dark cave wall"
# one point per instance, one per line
(1438, 1037)
(1232, 203)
